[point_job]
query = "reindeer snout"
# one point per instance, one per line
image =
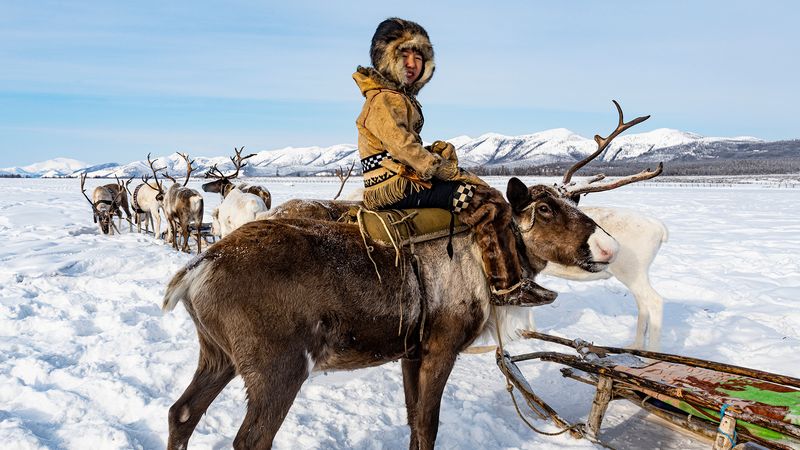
(606, 254)
(604, 247)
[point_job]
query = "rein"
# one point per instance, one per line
(522, 251)
(533, 221)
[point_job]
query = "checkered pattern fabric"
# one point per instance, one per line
(462, 196)
(373, 162)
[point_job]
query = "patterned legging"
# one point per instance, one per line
(485, 210)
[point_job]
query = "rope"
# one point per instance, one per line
(367, 246)
(385, 227)
(731, 439)
(510, 388)
(533, 218)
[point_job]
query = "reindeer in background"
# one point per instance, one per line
(182, 207)
(222, 183)
(147, 200)
(107, 201)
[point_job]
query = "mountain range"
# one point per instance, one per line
(489, 150)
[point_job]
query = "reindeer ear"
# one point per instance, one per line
(517, 194)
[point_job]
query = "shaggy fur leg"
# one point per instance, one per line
(272, 380)
(214, 372)
(490, 218)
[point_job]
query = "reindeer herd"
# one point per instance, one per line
(181, 206)
(295, 293)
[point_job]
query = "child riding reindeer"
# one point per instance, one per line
(399, 172)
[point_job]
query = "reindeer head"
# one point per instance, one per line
(104, 209)
(222, 185)
(554, 229)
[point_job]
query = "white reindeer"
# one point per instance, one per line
(236, 209)
(148, 201)
(222, 183)
(639, 237)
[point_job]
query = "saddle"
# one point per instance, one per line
(404, 227)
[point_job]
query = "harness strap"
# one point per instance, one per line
(135, 203)
(450, 236)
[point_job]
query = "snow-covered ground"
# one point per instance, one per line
(87, 360)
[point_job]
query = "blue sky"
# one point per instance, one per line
(111, 81)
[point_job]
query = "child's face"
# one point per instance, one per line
(412, 63)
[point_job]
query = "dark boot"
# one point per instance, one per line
(526, 293)
(490, 218)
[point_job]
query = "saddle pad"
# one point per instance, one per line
(405, 225)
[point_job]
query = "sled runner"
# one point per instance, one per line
(205, 232)
(729, 404)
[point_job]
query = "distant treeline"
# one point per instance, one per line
(11, 175)
(675, 167)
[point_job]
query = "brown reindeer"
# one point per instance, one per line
(182, 207)
(278, 299)
(222, 183)
(107, 201)
(639, 237)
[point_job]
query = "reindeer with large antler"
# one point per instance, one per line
(147, 199)
(182, 207)
(639, 237)
(222, 183)
(107, 201)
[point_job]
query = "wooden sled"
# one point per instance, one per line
(734, 406)
(205, 232)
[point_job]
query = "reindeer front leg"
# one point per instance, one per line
(411, 389)
(438, 353)
(435, 368)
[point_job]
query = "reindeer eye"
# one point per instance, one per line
(543, 209)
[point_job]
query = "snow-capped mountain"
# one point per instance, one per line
(491, 149)
(54, 168)
(285, 161)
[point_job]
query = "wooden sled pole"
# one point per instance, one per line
(693, 362)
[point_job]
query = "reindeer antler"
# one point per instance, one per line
(343, 178)
(238, 161)
(602, 142)
(599, 187)
(124, 185)
(159, 186)
(189, 168)
(83, 191)
(238, 164)
(214, 172)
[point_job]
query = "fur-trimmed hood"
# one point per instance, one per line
(392, 37)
